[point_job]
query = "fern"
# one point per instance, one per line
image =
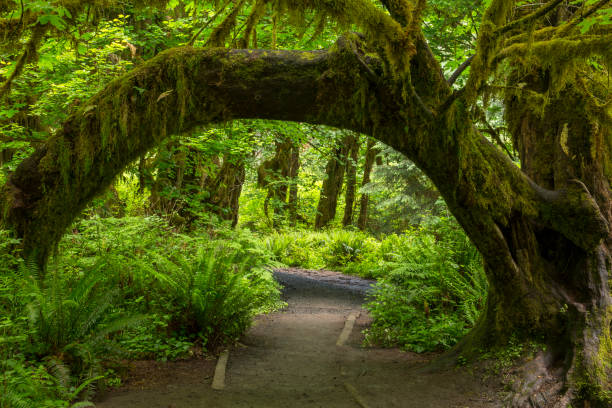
(10, 398)
(70, 324)
(211, 296)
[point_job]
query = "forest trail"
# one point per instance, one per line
(291, 359)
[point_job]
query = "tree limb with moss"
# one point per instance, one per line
(543, 228)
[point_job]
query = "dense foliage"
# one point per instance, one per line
(173, 258)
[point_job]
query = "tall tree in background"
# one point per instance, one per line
(351, 178)
(370, 160)
(294, 168)
(332, 184)
(544, 232)
(278, 175)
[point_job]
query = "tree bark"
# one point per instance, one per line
(495, 202)
(332, 184)
(370, 159)
(226, 188)
(560, 147)
(294, 169)
(351, 179)
(274, 175)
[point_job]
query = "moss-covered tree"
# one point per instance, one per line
(543, 229)
(294, 169)
(364, 200)
(332, 184)
(276, 175)
(351, 178)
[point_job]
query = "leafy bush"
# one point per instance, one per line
(23, 385)
(51, 338)
(213, 296)
(70, 323)
(185, 296)
(434, 292)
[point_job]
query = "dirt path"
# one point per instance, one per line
(291, 359)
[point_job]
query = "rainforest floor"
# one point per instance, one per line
(291, 359)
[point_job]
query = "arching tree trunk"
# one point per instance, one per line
(332, 184)
(351, 178)
(370, 159)
(546, 251)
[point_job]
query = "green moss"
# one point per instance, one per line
(593, 376)
(222, 32)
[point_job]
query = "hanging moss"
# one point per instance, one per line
(561, 57)
(487, 46)
(257, 12)
(223, 30)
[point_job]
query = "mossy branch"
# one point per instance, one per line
(29, 55)
(205, 26)
(530, 18)
(221, 32)
(561, 50)
(257, 12)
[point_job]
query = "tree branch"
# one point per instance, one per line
(187, 87)
(541, 12)
(29, 53)
(455, 75)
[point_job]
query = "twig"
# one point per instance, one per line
(594, 8)
(494, 134)
(29, 52)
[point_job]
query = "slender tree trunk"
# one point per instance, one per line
(370, 160)
(334, 176)
(351, 179)
(274, 174)
(280, 188)
(294, 169)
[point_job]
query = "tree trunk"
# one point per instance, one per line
(280, 189)
(294, 169)
(226, 188)
(351, 178)
(546, 252)
(163, 199)
(370, 159)
(274, 174)
(561, 148)
(334, 176)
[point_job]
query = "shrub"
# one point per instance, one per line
(212, 297)
(70, 323)
(433, 293)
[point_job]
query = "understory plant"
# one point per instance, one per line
(213, 296)
(71, 320)
(434, 292)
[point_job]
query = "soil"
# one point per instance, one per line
(290, 359)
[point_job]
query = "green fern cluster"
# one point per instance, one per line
(55, 329)
(213, 296)
(434, 292)
(71, 322)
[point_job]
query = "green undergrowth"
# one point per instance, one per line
(430, 285)
(130, 288)
(139, 288)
